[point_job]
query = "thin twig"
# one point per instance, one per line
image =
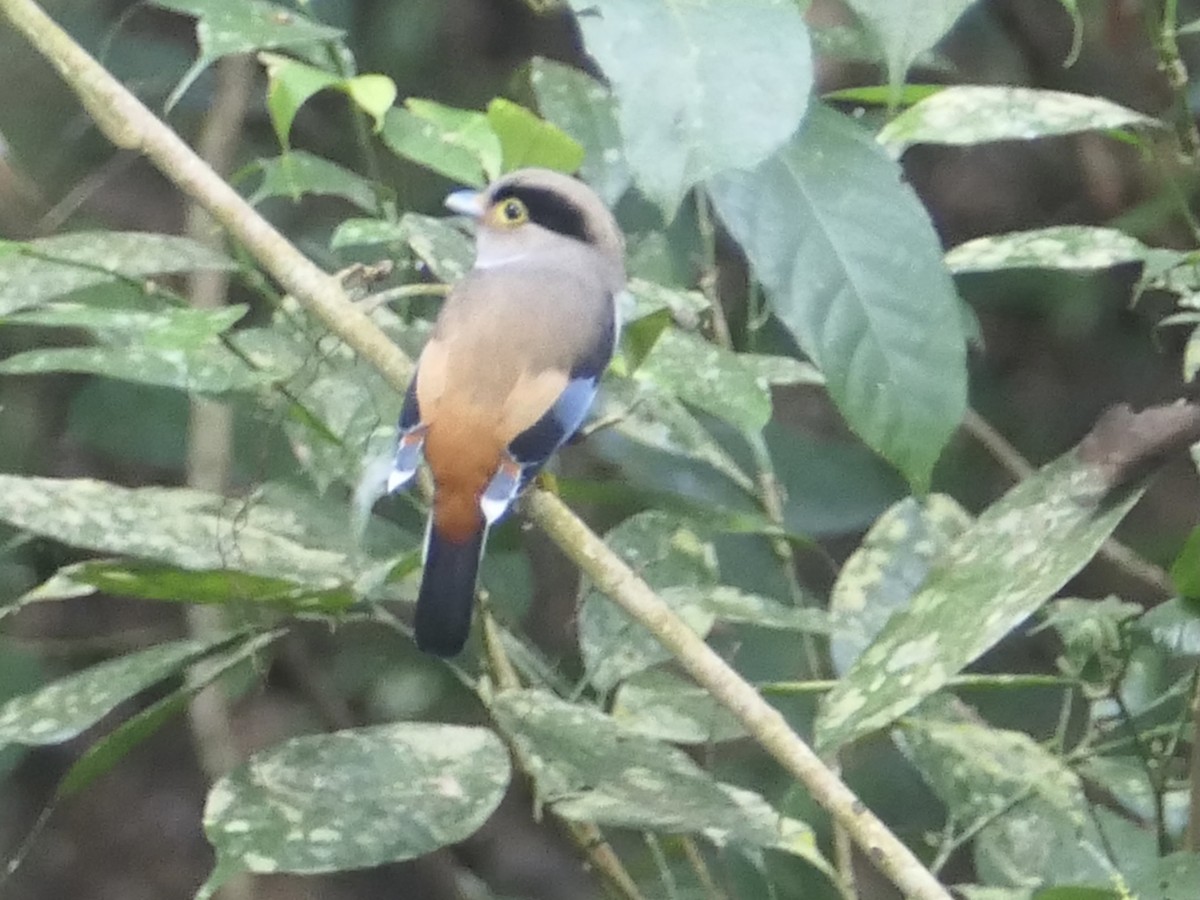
(1170, 61)
(708, 270)
(1120, 555)
(128, 123)
(700, 867)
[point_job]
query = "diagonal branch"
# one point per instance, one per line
(129, 124)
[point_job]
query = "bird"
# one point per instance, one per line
(508, 374)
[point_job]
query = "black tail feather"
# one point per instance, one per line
(447, 593)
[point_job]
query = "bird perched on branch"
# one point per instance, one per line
(508, 374)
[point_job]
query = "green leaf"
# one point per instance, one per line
(356, 798)
(883, 95)
(977, 114)
(205, 370)
(185, 528)
(467, 129)
(1014, 557)
(413, 138)
(978, 771)
(152, 581)
(1126, 780)
(1079, 248)
(172, 347)
(445, 250)
(832, 485)
(728, 604)
(69, 706)
(374, 94)
(682, 117)
(177, 328)
(982, 892)
(526, 140)
(643, 414)
(40, 270)
(1167, 878)
(589, 769)
(1175, 627)
(664, 707)
(296, 174)
(1185, 571)
(366, 233)
(888, 568)
(226, 27)
(586, 110)
(1037, 844)
(101, 756)
(649, 297)
(672, 557)
(853, 268)
(708, 377)
(291, 83)
(905, 29)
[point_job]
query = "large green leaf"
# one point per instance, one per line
(171, 347)
(584, 109)
(418, 139)
(685, 113)
(1014, 557)
(185, 528)
(976, 114)
(905, 29)
(1040, 845)
(853, 268)
(66, 707)
(710, 378)
(978, 771)
(881, 576)
(589, 769)
(40, 270)
(526, 140)
(355, 798)
(226, 27)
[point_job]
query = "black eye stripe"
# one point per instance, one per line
(548, 209)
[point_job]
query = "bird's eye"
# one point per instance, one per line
(513, 212)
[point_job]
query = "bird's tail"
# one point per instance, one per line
(447, 593)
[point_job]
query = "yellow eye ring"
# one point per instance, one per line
(512, 212)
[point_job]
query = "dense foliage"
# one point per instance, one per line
(794, 370)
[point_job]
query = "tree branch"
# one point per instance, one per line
(129, 124)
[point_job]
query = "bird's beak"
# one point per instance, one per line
(466, 203)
